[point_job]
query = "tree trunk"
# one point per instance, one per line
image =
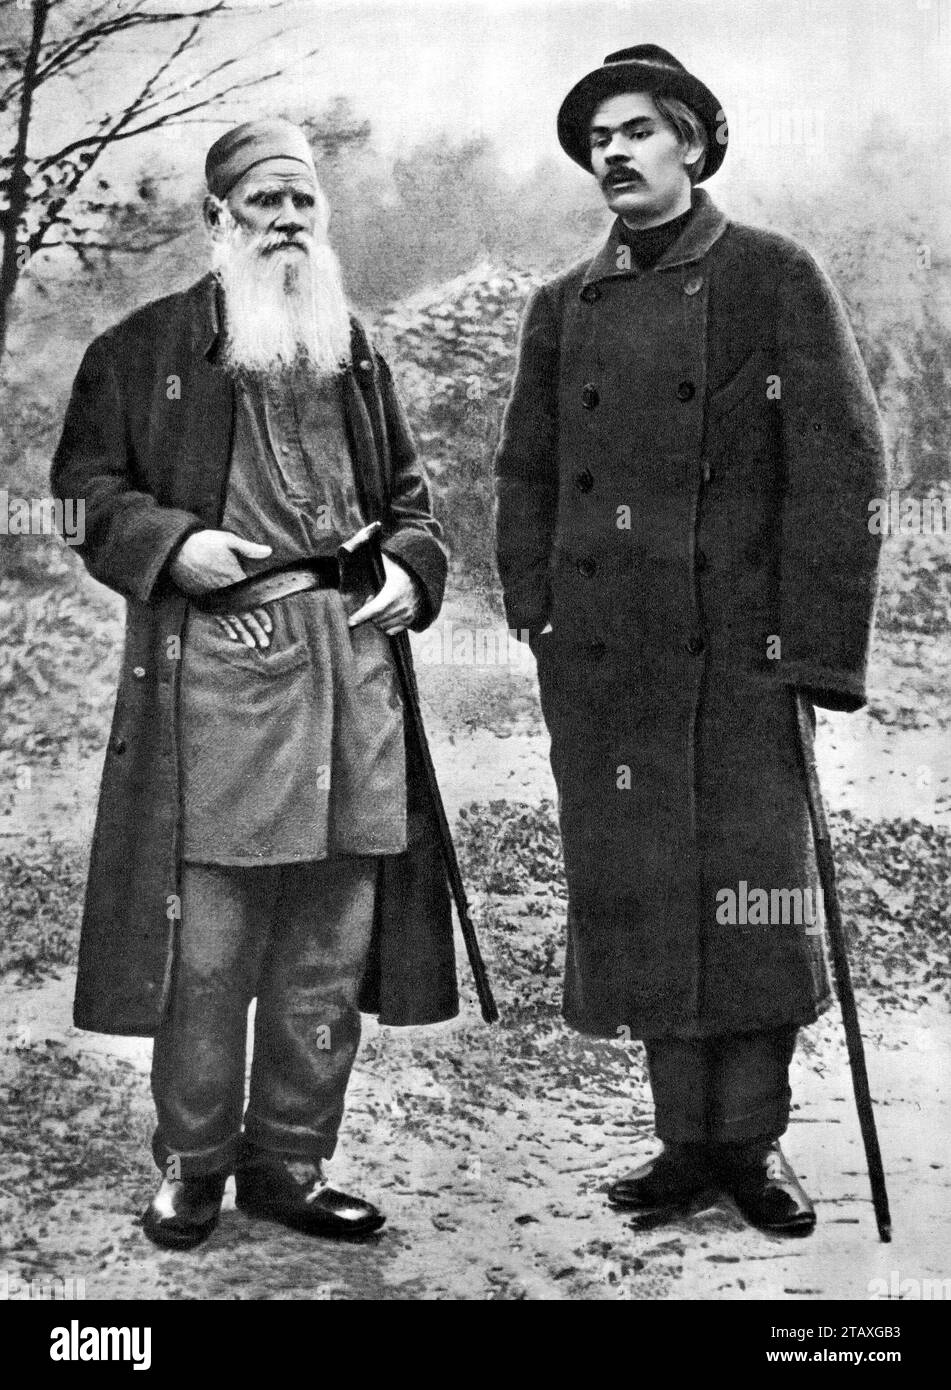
(10, 219)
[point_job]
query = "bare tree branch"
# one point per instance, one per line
(171, 92)
(115, 134)
(66, 53)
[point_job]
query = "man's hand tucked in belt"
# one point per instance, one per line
(208, 560)
(396, 606)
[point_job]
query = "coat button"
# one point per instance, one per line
(695, 644)
(700, 560)
(366, 365)
(589, 396)
(590, 294)
(139, 672)
(117, 744)
(587, 568)
(584, 481)
(693, 285)
(686, 391)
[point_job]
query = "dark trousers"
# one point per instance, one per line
(296, 937)
(724, 1090)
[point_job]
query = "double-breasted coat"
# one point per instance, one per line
(683, 479)
(146, 445)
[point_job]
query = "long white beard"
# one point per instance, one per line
(282, 307)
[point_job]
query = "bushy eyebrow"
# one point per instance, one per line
(635, 123)
(296, 190)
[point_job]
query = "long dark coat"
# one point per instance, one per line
(146, 444)
(683, 482)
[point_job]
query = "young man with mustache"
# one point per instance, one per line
(683, 481)
(261, 832)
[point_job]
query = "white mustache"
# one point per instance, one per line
(277, 241)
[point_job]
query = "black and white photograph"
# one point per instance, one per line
(475, 646)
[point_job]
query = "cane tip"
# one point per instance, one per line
(885, 1232)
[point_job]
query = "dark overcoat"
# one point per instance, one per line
(683, 480)
(146, 445)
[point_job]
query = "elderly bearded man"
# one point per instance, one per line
(261, 832)
(684, 475)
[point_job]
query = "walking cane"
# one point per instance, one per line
(366, 544)
(843, 975)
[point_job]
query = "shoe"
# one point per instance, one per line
(314, 1207)
(184, 1211)
(766, 1190)
(667, 1181)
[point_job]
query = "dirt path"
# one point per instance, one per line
(493, 1186)
(488, 1148)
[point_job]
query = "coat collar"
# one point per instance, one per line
(705, 227)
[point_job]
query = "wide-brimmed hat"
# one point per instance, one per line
(644, 68)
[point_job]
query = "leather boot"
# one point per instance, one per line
(184, 1211)
(667, 1181)
(271, 1191)
(765, 1188)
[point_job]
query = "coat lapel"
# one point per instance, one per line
(366, 426)
(209, 405)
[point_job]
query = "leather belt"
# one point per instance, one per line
(269, 587)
